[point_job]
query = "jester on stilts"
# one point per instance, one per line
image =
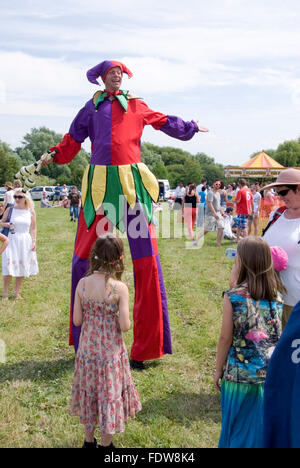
(114, 120)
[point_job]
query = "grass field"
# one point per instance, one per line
(180, 406)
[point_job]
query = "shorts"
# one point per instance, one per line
(212, 224)
(241, 221)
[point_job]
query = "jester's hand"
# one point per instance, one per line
(201, 129)
(46, 160)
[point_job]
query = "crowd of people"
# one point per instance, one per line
(263, 285)
(264, 288)
(233, 210)
(65, 199)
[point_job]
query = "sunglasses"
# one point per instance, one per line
(18, 197)
(283, 193)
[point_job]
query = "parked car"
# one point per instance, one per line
(2, 193)
(37, 192)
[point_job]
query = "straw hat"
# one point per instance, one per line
(287, 177)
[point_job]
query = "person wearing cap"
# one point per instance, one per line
(285, 233)
(118, 190)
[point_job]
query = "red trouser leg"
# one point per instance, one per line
(152, 338)
(151, 328)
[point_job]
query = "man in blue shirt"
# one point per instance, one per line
(56, 196)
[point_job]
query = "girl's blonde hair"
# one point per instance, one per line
(107, 256)
(28, 200)
(17, 183)
(256, 269)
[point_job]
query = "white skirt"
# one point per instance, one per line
(18, 259)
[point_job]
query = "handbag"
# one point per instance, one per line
(5, 230)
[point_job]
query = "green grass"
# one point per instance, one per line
(180, 406)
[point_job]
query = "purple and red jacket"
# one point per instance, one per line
(116, 134)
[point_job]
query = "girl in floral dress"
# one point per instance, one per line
(103, 392)
(251, 328)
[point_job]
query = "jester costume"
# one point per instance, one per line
(118, 190)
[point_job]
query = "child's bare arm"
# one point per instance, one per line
(225, 340)
(77, 311)
(124, 307)
(4, 241)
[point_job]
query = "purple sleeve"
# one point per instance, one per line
(178, 128)
(79, 126)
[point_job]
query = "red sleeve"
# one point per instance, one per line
(66, 150)
(150, 117)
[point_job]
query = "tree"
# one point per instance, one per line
(288, 153)
(9, 163)
(149, 156)
(210, 168)
(160, 171)
(203, 159)
(193, 171)
(176, 174)
(25, 156)
(37, 142)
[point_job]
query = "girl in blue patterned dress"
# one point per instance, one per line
(251, 328)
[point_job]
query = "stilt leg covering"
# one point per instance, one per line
(151, 331)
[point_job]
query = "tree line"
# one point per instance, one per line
(165, 162)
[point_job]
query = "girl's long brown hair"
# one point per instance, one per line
(256, 269)
(107, 257)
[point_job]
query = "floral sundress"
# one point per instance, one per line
(103, 392)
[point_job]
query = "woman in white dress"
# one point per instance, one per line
(19, 260)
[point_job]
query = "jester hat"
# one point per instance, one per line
(102, 68)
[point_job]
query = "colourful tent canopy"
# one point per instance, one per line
(262, 161)
(260, 166)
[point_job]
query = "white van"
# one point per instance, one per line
(164, 189)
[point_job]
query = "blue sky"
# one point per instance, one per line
(231, 64)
